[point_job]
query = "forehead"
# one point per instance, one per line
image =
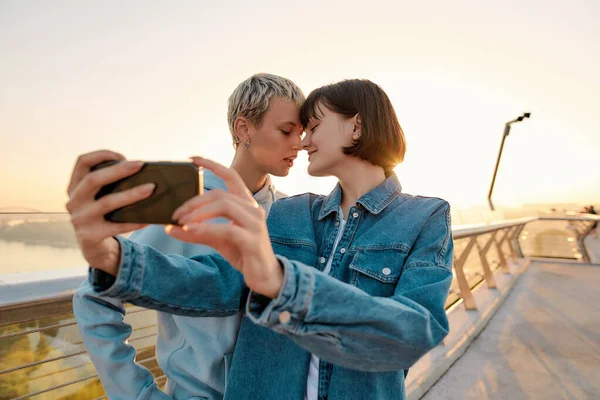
(319, 113)
(283, 110)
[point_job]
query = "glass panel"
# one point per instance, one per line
(53, 349)
(556, 239)
(473, 268)
(453, 296)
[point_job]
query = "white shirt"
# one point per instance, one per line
(312, 383)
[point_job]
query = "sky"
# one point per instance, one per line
(151, 79)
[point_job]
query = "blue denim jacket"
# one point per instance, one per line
(380, 308)
(194, 353)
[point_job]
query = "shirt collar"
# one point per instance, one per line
(374, 201)
(266, 193)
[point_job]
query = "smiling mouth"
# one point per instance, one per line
(310, 153)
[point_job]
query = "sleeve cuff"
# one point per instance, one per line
(127, 284)
(286, 312)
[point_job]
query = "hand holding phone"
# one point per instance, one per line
(176, 182)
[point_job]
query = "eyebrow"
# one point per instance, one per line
(288, 122)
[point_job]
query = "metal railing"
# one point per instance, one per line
(42, 355)
(480, 251)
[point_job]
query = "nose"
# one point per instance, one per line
(297, 143)
(305, 142)
(297, 146)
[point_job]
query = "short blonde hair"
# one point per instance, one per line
(251, 99)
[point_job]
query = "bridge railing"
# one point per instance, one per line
(42, 355)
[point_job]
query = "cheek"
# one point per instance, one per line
(274, 147)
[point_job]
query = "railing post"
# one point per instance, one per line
(516, 239)
(509, 240)
(501, 256)
(465, 290)
(487, 271)
(580, 242)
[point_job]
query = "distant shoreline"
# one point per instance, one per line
(38, 242)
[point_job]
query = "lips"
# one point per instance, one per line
(290, 161)
(310, 153)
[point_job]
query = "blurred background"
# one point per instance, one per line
(151, 79)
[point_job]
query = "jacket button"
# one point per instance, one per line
(342, 250)
(322, 260)
(355, 215)
(285, 317)
(386, 271)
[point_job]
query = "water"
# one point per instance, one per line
(23, 257)
(42, 241)
(36, 242)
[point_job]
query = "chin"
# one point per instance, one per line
(282, 173)
(279, 171)
(315, 171)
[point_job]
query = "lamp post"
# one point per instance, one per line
(506, 132)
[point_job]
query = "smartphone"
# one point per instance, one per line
(176, 182)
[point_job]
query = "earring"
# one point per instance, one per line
(247, 144)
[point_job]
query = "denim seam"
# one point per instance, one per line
(354, 278)
(386, 201)
(267, 315)
(399, 247)
(383, 279)
(104, 303)
(281, 240)
(218, 313)
(442, 252)
(142, 269)
(120, 288)
(426, 265)
(287, 293)
(308, 295)
(389, 199)
(135, 271)
(120, 279)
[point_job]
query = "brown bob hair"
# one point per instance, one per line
(382, 140)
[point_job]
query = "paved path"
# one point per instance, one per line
(543, 343)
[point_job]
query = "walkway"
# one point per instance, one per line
(543, 343)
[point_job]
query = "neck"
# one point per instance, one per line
(357, 180)
(248, 171)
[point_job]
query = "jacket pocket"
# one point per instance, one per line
(377, 271)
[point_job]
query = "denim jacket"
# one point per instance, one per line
(194, 353)
(380, 308)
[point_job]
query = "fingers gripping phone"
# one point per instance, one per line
(176, 182)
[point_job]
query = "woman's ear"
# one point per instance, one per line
(356, 132)
(241, 127)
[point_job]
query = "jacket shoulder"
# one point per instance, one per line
(297, 202)
(424, 202)
(297, 210)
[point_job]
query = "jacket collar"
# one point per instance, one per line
(374, 201)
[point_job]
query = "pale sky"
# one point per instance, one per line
(151, 79)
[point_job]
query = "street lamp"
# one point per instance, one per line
(506, 132)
